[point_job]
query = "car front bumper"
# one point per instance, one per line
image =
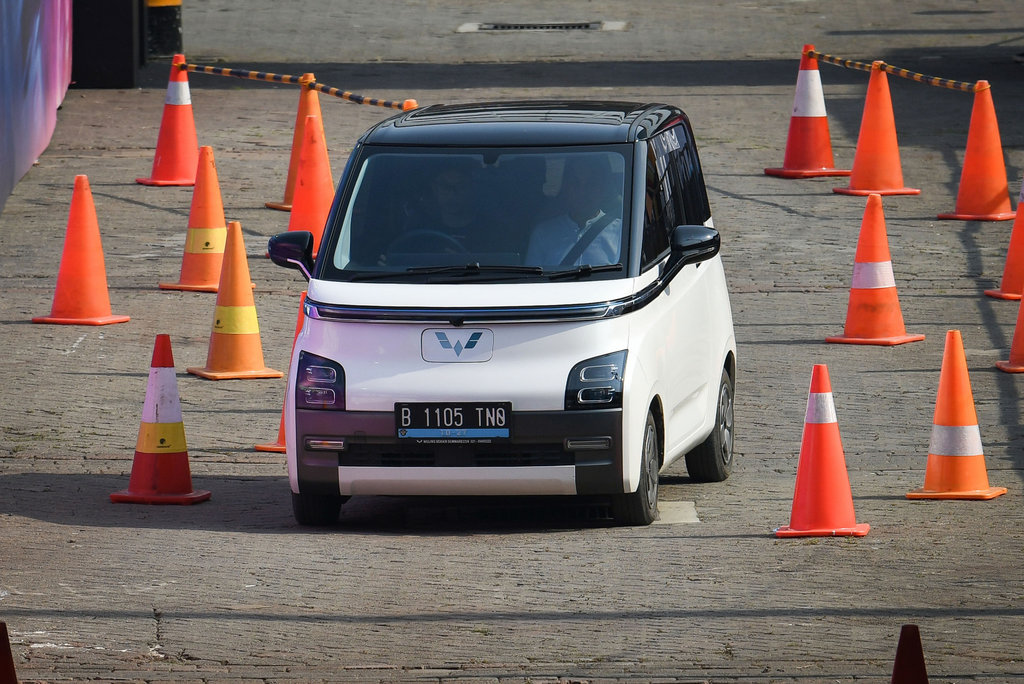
(549, 452)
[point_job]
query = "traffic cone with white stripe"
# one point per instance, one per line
(235, 349)
(309, 104)
(956, 462)
(279, 445)
(177, 147)
(1012, 284)
(160, 472)
(876, 162)
(207, 232)
(873, 315)
(1016, 362)
(808, 145)
(984, 194)
(822, 500)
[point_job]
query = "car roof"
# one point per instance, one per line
(525, 122)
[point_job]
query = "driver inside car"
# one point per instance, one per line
(446, 217)
(453, 203)
(589, 229)
(455, 217)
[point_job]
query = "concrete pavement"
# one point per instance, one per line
(445, 590)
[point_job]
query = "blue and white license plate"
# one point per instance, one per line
(453, 423)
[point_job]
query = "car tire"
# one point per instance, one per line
(641, 507)
(316, 510)
(711, 460)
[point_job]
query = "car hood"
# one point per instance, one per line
(471, 295)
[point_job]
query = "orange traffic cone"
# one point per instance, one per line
(7, 673)
(207, 232)
(956, 463)
(909, 667)
(822, 501)
(984, 194)
(876, 163)
(314, 184)
(309, 104)
(177, 148)
(1012, 284)
(235, 350)
(160, 472)
(873, 314)
(81, 296)
(279, 445)
(1016, 362)
(808, 146)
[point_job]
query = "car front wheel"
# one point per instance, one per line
(641, 507)
(711, 460)
(316, 510)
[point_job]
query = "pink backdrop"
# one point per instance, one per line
(35, 70)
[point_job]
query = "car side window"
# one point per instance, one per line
(694, 194)
(661, 208)
(674, 191)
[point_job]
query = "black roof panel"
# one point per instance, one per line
(526, 122)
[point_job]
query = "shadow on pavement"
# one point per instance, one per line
(262, 505)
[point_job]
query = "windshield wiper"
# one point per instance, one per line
(470, 269)
(583, 271)
(475, 267)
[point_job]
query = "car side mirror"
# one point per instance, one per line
(693, 244)
(293, 249)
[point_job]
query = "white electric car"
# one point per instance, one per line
(512, 298)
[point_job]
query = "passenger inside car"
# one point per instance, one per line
(589, 228)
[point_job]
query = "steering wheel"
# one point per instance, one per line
(426, 237)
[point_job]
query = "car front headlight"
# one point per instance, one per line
(319, 383)
(596, 383)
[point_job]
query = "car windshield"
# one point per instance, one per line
(432, 215)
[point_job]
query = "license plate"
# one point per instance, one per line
(454, 423)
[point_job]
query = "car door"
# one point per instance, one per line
(678, 325)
